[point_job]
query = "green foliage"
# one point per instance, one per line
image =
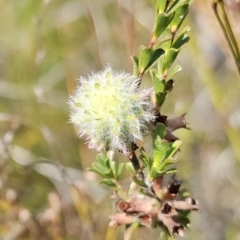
(161, 86)
(179, 16)
(147, 56)
(161, 23)
(162, 159)
(108, 169)
(182, 38)
(169, 17)
(160, 6)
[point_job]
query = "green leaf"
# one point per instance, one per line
(170, 56)
(101, 158)
(157, 53)
(173, 148)
(144, 156)
(160, 98)
(103, 170)
(163, 151)
(174, 71)
(180, 41)
(176, 4)
(182, 219)
(160, 145)
(167, 162)
(96, 171)
(147, 56)
(166, 39)
(154, 173)
(108, 182)
(139, 182)
(180, 14)
(161, 23)
(159, 151)
(135, 65)
(184, 30)
(158, 84)
(161, 88)
(147, 162)
(114, 168)
(171, 171)
(130, 168)
(160, 131)
(160, 67)
(99, 167)
(161, 5)
(120, 169)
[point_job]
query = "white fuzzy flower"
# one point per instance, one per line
(109, 111)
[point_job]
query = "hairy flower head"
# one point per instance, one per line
(109, 111)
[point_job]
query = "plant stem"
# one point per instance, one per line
(227, 31)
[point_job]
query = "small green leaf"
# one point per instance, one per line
(107, 163)
(167, 162)
(162, 21)
(184, 30)
(174, 71)
(108, 182)
(170, 56)
(157, 53)
(171, 171)
(154, 173)
(96, 171)
(161, 5)
(114, 168)
(181, 40)
(160, 66)
(135, 65)
(147, 56)
(98, 167)
(161, 88)
(166, 38)
(144, 156)
(183, 220)
(160, 98)
(139, 182)
(158, 84)
(159, 151)
(174, 148)
(176, 4)
(120, 169)
(180, 14)
(160, 131)
(163, 153)
(130, 168)
(101, 158)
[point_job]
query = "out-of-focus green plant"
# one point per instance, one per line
(224, 23)
(112, 112)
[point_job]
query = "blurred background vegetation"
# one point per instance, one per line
(45, 45)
